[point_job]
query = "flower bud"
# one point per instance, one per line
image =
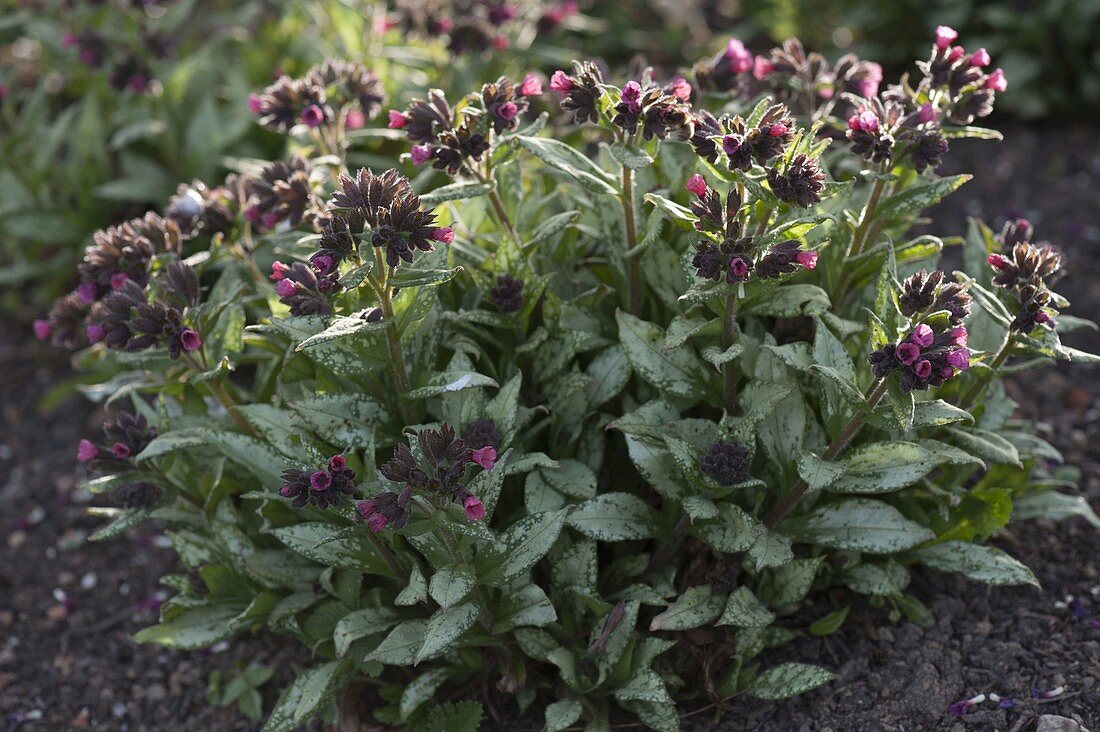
(560, 82)
(86, 451)
(531, 86)
(697, 185)
(945, 36)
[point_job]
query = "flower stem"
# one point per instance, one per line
(795, 494)
(729, 375)
(982, 382)
(627, 198)
(859, 237)
(498, 205)
(387, 557)
(221, 395)
(393, 340)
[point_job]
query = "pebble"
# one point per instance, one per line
(16, 539)
(89, 581)
(1054, 723)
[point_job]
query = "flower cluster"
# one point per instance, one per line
(477, 26)
(440, 476)
(200, 210)
(128, 319)
(449, 139)
(661, 111)
(124, 253)
(322, 488)
(507, 294)
(726, 462)
(744, 144)
(1026, 270)
(934, 350)
(583, 91)
(903, 122)
(126, 436)
(282, 192)
(128, 67)
(736, 255)
(304, 288)
(332, 92)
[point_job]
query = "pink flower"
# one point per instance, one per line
(95, 333)
(697, 185)
(253, 214)
(807, 259)
(777, 130)
(320, 480)
(908, 353)
(68, 40)
(444, 234)
(486, 457)
(731, 144)
(1041, 317)
(286, 288)
(957, 336)
(313, 116)
(42, 329)
(500, 43)
(761, 67)
(86, 291)
(121, 450)
(865, 120)
(531, 86)
(254, 104)
(997, 261)
(739, 267)
(118, 279)
(740, 58)
(680, 88)
(560, 82)
(923, 368)
(397, 120)
(269, 220)
(956, 53)
(420, 154)
(996, 81)
(980, 58)
(354, 120)
(508, 111)
(86, 451)
(922, 336)
(475, 509)
(278, 271)
(960, 359)
(631, 96)
(927, 113)
(190, 340)
(945, 36)
(321, 263)
(337, 462)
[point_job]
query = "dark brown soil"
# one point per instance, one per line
(67, 607)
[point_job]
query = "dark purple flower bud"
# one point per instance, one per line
(320, 480)
(507, 295)
(190, 340)
(908, 353)
(922, 335)
(726, 462)
(313, 116)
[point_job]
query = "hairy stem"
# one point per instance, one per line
(859, 238)
(393, 340)
(729, 332)
(497, 203)
(795, 494)
(219, 393)
(387, 557)
(627, 199)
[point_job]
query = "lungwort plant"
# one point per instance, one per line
(580, 422)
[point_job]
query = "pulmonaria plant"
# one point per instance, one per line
(682, 371)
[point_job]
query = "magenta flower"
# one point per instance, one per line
(731, 144)
(922, 336)
(560, 82)
(475, 509)
(190, 340)
(278, 271)
(997, 81)
(956, 53)
(531, 86)
(320, 480)
(922, 368)
(420, 154)
(337, 463)
(959, 359)
(118, 279)
(980, 58)
(313, 116)
(269, 220)
(86, 451)
(508, 111)
(285, 288)
(254, 104)
(908, 353)
(865, 121)
(95, 333)
(322, 263)
(354, 120)
(945, 36)
(397, 120)
(997, 261)
(739, 267)
(777, 130)
(807, 259)
(740, 58)
(957, 336)
(120, 450)
(86, 291)
(631, 96)
(680, 88)
(444, 234)
(697, 185)
(927, 113)
(486, 457)
(42, 329)
(761, 67)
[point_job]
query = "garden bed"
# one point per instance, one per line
(67, 606)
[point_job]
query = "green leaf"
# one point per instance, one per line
(677, 372)
(818, 474)
(860, 525)
(614, 517)
(464, 716)
(937, 413)
(788, 301)
(444, 628)
(416, 591)
(789, 679)
(671, 209)
(919, 197)
(424, 277)
(609, 373)
(400, 647)
(744, 610)
(197, 627)
(455, 192)
(571, 478)
(1054, 506)
(420, 690)
(570, 161)
(360, 624)
(524, 543)
(561, 715)
(451, 381)
(301, 699)
(986, 445)
(552, 226)
(451, 584)
(697, 606)
(771, 549)
(982, 563)
(734, 531)
(529, 606)
(880, 467)
(830, 623)
(882, 579)
(793, 581)
(342, 327)
(630, 156)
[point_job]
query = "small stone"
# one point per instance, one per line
(156, 693)
(1055, 723)
(17, 539)
(57, 613)
(119, 710)
(89, 581)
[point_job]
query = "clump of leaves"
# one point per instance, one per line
(586, 430)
